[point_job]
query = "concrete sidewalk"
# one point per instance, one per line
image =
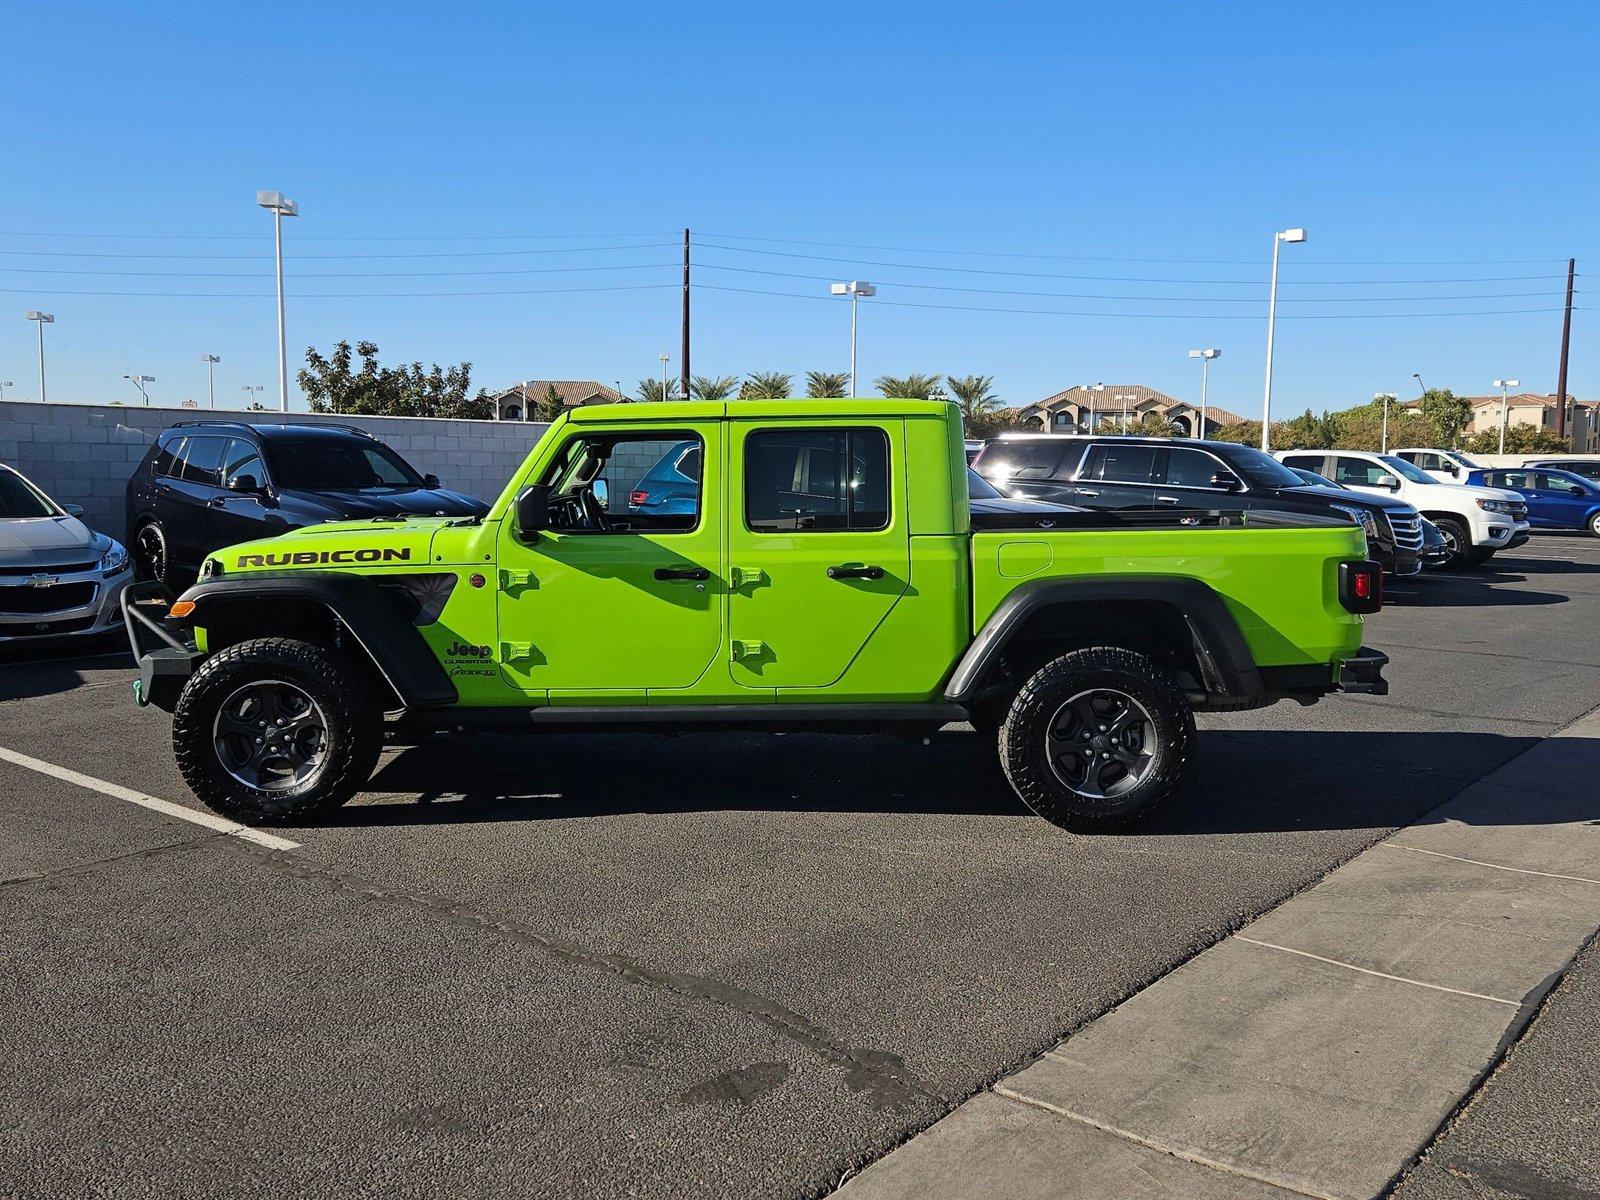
(1317, 1051)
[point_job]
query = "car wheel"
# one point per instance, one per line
(1594, 525)
(275, 729)
(150, 557)
(1457, 540)
(1097, 739)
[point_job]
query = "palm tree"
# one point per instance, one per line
(975, 395)
(767, 385)
(650, 390)
(911, 387)
(827, 385)
(703, 387)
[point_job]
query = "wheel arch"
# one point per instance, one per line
(1183, 621)
(326, 608)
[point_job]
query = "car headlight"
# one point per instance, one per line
(1494, 506)
(1361, 517)
(114, 559)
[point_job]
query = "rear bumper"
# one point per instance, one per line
(1363, 673)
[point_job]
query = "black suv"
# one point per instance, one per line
(206, 485)
(1161, 473)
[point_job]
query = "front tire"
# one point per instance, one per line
(1594, 525)
(275, 729)
(1098, 739)
(1457, 540)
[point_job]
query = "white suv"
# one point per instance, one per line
(1447, 466)
(1475, 521)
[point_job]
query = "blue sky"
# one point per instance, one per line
(1442, 157)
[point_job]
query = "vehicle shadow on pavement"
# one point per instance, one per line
(1465, 591)
(1246, 781)
(27, 673)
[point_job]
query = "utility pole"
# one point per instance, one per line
(1566, 342)
(683, 353)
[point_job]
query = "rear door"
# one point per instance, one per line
(1117, 475)
(819, 548)
(187, 517)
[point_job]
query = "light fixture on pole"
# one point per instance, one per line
(139, 381)
(665, 359)
(42, 319)
(1422, 388)
(4, 384)
(253, 389)
(1093, 389)
(281, 207)
(1386, 397)
(855, 289)
(1505, 386)
(1205, 357)
(211, 361)
(1123, 400)
(937, 392)
(1278, 239)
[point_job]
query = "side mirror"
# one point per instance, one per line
(1227, 481)
(1576, 490)
(1390, 482)
(72, 510)
(533, 511)
(431, 480)
(602, 492)
(244, 483)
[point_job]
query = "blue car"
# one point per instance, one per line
(1556, 499)
(671, 488)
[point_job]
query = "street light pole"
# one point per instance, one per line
(281, 207)
(1505, 386)
(1285, 235)
(665, 359)
(252, 388)
(1205, 357)
(211, 361)
(1093, 389)
(855, 289)
(139, 381)
(4, 384)
(1385, 397)
(41, 319)
(1123, 400)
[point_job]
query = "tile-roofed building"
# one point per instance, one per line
(521, 401)
(1536, 409)
(1070, 411)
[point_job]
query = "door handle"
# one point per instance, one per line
(696, 573)
(1167, 499)
(1084, 492)
(855, 572)
(217, 501)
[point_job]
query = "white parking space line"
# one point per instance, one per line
(154, 803)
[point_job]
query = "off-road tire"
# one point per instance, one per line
(1459, 538)
(352, 716)
(1024, 738)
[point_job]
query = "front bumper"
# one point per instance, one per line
(80, 617)
(166, 656)
(1363, 673)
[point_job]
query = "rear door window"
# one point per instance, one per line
(816, 480)
(1124, 464)
(1358, 472)
(203, 463)
(1306, 462)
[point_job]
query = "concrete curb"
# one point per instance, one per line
(1317, 1051)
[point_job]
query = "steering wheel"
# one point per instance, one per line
(594, 516)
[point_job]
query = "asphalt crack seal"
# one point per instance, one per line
(879, 1076)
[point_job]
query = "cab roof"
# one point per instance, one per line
(713, 410)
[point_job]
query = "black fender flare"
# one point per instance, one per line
(401, 653)
(1227, 667)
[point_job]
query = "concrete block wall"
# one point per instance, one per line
(84, 453)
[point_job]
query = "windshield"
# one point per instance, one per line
(979, 488)
(19, 499)
(337, 464)
(1262, 469)
(1405, 470)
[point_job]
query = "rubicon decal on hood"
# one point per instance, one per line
(313, 558)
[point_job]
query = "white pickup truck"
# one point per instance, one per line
(1475, 521)
(1447, 466)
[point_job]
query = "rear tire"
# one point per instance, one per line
(275, 729)
(151, 558)
(1098, 739)
(1594, 525)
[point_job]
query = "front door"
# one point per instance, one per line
(241, 516)
(819, 547)
(612, 601)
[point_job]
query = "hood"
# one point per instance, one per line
(347, 544)
(1354, 499)
(383, 502)
(1478, 491)
(47, 542)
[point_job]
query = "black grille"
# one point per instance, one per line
(27, 599)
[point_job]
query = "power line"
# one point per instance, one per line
(332, 274)
(633, 287)
(1108, 278)
(329, 237)
(1054, 312)
(340, 257)
(941, 287)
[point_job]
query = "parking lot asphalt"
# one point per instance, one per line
(709, 965)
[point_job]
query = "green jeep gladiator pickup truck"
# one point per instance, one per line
(826, 574)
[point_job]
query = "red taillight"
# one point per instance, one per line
(637, 498)
(1361, 586)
